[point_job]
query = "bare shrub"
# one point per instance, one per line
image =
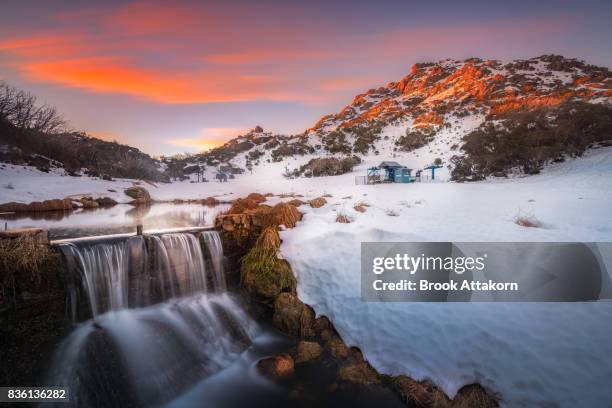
(343, 218)
(361, 206)
(526, 220)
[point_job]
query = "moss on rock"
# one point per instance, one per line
(264, 275)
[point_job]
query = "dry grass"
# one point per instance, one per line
(259, 198)
(317, 202)
(296, 202)
(343, 219)
(22, 254)
(242, 204)
(264, 274)
(527, 221)
(285, 214)
(269, 238)
(361, 206)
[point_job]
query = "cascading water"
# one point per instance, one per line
(162, 319)
(143, 270)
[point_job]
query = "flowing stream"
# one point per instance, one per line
(159, 320)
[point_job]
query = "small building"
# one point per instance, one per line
(403, 175)
(392, 172)
(390, 167)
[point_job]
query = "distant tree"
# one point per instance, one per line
(21, 110)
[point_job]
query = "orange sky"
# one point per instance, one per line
(110, 67)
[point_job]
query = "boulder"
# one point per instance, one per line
(88, 202)
(105, 202)
(139, 195)
(293, 317)
(307, 352)
(279, 367)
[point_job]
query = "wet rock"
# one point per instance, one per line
(307, 352)
(292, 316)
(139, 195)
(88, 202)
(38, 206)
(279, 367)
(106, 202)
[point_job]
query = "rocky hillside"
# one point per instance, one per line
(438, 107)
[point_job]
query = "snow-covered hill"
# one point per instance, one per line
(426, 114)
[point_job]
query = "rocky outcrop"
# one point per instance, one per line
(88, 203)
(105, 202)
(39, 206)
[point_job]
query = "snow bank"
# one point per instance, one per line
(533, 354)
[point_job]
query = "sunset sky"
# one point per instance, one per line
(187, 76)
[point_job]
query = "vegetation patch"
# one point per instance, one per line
(335, 142)
(23, 256)
(317, 202)
(415, 138)
(326, 166)
(526, 141)
(296, 147)
(343, 219)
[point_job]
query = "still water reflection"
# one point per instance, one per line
(118, 219)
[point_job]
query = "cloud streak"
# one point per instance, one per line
(194, 54)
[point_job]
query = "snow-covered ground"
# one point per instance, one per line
(533, 354)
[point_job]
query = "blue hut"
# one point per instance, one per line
(395, 172)
(392, 172)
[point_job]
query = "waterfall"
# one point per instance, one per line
(139, 271)
(161, 319)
